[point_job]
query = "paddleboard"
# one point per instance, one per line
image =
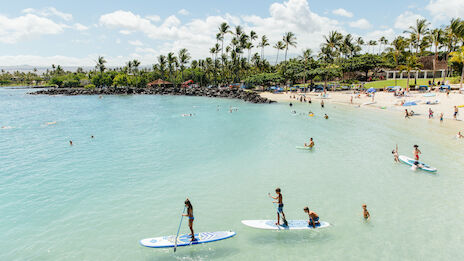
(303, 148)
(292, 224)
(410, 162)
(184, 240)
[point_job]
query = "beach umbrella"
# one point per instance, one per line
(409, 104)
(371, 90)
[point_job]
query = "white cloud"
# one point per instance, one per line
(136, 43)
(154, 18)
(377, 34)
(49, 11)
(80, 27)
(183, 12)
(406, 19)
(27, 26)
(361, 24)
(444, 10)
(342, 12)
(198, 35)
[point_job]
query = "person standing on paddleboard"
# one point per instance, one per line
(189, 214)
(416, 152)
(280, 206)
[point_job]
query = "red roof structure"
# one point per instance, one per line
(159, 82)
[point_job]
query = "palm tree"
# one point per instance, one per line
(437, 36)
(359, 44)
(372, 43)
(333, 41)
(307, 55)
(172, 60)
(162, 65)
(100, 64)
(184, 57)
(136, 64)
(397, 47)
(279, 46)
(411, 64)
(420, 29)
(224, 29)
(458, 57)
(289, 39)
(264, 42)
(383, 41)
(348, 46)
(249, 46)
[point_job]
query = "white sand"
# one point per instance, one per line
(388, 102)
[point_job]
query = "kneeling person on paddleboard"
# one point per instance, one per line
(310, 144)
(313, 217)
(189, 214)
(280, 207)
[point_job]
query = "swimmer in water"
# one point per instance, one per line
(326, 117)
(92, 137)
(366, 213)
(70, 143)
(459, 135)
(311, 143)
(395, 154)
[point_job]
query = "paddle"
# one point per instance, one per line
(283, 218)
(178, 229)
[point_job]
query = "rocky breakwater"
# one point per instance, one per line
(248, 96)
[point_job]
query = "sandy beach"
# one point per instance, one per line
(387, 102)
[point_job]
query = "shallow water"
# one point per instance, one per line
(96, 199)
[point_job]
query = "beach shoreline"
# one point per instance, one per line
(387, 102)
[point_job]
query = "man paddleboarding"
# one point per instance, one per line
(280, 207)
(189, 214)
(313, 217)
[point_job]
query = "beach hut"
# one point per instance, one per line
(159, 82)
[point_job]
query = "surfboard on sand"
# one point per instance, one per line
(292, 224)
(184, 240)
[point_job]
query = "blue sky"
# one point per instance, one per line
(72, 33)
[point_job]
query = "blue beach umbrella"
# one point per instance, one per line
(371, 90)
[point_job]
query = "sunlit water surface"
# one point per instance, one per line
(96, 199)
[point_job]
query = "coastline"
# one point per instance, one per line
(248, 96)
(385, 101)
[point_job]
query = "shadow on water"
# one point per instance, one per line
(290, 237)
(194, 253)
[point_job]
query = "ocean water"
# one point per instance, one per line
(96, 199)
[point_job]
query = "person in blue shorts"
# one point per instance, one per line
(313, 217)
(190, 216)
(280, 207)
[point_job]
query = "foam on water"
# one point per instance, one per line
(96, 199)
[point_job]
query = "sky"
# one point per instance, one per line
(75, 33)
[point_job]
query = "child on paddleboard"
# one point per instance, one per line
(416, 152)
(280, 207)
(365, 212)
(189, 214)
(313, 217)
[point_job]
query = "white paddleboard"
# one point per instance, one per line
(411, 162)
(304, 148)
(184, 240)
(292, 224)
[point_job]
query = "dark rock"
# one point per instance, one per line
(248, 96)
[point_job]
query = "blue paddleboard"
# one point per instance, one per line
(184, 240)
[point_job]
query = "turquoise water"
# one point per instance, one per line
(96, 199)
